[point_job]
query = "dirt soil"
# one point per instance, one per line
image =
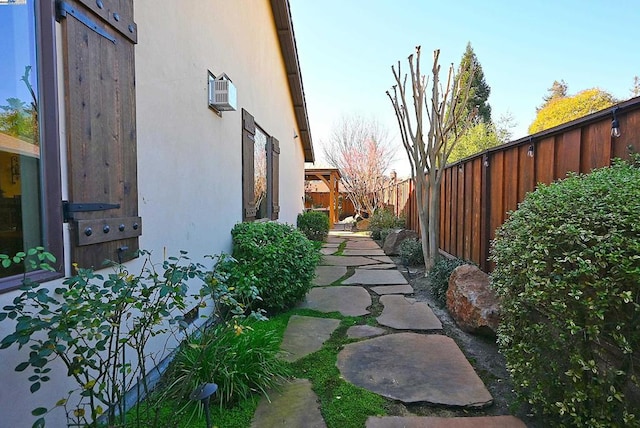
(481, 351)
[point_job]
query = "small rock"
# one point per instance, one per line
(393, 240)
(472, 303)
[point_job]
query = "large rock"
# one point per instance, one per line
(393, 240)
(472, 303)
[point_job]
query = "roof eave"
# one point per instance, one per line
(286, 37)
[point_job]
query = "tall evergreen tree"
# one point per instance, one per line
(479, 93)
(556, 91)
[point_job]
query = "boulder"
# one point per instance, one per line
(472, 303)
(393, 240)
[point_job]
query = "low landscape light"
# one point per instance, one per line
(203, 393)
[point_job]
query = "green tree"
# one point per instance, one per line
(635, 89)
(565, 109)
(477, 138)
(483, 136)
(470, 68)
(556, 91)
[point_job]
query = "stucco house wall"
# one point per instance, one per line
(189, 158)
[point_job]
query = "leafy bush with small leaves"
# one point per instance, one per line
(241, 360)
(98, 326)
(383, 219)
(439, 277)
(568, 274)
(314, 225)
(384, 233)
(280, 259)
(411, 252)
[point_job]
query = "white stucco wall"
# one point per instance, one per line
(189, 159)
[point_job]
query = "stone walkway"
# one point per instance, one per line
(405, 358)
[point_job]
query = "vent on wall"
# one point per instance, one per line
(222, 93)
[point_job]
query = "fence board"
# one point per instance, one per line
(544, 160)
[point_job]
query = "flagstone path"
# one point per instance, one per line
(406, 358)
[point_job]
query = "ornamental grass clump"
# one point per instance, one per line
(568, 274)
(280, 260)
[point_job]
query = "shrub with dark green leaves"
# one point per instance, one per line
(568, 274)
(281, 259)
(314, 225)
(439, 277)
(383, 219)
(411, 252)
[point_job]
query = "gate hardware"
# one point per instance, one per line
(64, 8)
(69, 208)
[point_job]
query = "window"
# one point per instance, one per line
(30, 206)
(260, 172)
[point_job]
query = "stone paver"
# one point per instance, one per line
(413, 368)
(333, 239)
(305, 335)
(330, 245)
(382, 266)
(365, 252)
(361, 331)
(407, 314)
(327, 251)
(296, 405)
(375, 277)
(362, 244)
(326, 275)
(347, 261)
(383, 259)
(351, 301)
(434, 422)
(393, 289)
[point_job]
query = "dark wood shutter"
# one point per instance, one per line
(273, 186)
(98, 50)
(248, 198)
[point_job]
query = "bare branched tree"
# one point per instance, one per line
(429, 143)
(359, 148)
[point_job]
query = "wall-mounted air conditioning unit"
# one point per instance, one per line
(222, 93)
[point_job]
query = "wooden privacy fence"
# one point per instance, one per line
(478, 192)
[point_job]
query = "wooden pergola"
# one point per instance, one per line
(330, 177)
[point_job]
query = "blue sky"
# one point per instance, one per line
(346, 49)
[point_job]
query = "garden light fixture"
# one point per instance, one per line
(615, 125)
(203, 393)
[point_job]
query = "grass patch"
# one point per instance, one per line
(340, 249)
(343, 405)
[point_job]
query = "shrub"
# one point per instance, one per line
(383, 219)
(239, 359)
(439, 277)
(314, 225)
(281, 259)
(411, 252)
(384, 233)
(568, 273)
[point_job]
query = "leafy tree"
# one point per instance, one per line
(635, 89)
(483, 136)
(477, 138)
(360, 150)
(430, 127)
(471, 69)
(556, 91)
(565, 109)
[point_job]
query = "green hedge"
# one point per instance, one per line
(314, 225)
(439, 277)
(568, 273)
(277, 258)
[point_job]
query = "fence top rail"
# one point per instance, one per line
(621, 108)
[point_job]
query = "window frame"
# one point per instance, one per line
(50, 179)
